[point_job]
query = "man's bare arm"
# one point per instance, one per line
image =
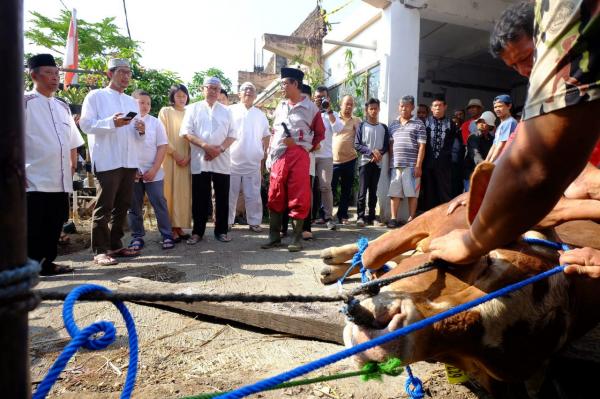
(527, 182)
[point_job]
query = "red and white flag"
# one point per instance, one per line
(72, 52)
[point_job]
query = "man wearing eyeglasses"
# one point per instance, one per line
(209, 127)
(298, 130)
(110, 119)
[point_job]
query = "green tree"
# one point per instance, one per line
(195, 86)
(99, 41)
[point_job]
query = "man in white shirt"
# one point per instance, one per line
(208, 126)
(51, 141)
(247, 152)
(149, 180)
(324, 155)
(110, 119)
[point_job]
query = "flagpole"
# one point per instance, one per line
(14, 361)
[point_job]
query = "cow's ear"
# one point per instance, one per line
(479, 183)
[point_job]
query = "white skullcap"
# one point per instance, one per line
(211, 80)
(246, 85)
(117, 62)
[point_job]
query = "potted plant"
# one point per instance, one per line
(74, 96)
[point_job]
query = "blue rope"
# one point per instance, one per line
(413, 386)
(547, 243)
(383, 339)
(85, 338)
(357, 260)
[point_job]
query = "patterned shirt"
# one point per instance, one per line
(407, 139)
(566, 68)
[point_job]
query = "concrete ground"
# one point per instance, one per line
(185, 354)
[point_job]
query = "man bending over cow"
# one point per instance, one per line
(556, 138)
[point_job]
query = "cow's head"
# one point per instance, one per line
(507, 339)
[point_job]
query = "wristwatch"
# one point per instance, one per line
(222, 148)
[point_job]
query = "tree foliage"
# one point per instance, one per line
(99, 41)
(195, 86)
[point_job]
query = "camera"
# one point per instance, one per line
(324, 105)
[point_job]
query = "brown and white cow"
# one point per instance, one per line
(506, 341)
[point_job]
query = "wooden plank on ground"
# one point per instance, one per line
(320, 321)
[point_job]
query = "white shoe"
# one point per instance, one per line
(256, 228)
(331, 225)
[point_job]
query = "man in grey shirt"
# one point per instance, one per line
(372, 141)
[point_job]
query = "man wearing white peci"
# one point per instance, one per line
(247, 152)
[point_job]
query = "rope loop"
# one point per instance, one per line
(88, 338)
(413, 386)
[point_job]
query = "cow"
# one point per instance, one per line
(504, 343)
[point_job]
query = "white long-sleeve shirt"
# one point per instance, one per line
(110, 147)
(252, 127)
(50, 135)
(213, 126)
(326, 150)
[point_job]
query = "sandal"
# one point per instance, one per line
(64, 239)
(136, 244)
(194, 239)
(105, 260)
(168, 243)
(52, 269)
(124, 253)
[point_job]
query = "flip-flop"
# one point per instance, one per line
(124, 253)
(168, 243)
(55, 270)
(105, 260)
(136, 244)
(185, 236)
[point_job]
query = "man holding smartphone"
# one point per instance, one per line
(109, 118)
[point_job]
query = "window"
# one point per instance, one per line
(373, 82)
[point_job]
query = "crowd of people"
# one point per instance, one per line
(194, 160)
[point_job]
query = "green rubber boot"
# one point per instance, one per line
(275, 220)
(296, 244)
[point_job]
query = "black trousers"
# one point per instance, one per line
(343, 173)
(436, 186)
(46, 214)
(368, 178)
(201, 198)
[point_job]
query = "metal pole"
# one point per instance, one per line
(349, 44)
(14, 361)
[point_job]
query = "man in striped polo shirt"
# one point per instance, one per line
(409, 138)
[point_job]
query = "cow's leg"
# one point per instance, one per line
(338, 255)
(332, 273)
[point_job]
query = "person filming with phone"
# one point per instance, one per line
(110, 119)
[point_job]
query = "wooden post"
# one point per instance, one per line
(14, 361)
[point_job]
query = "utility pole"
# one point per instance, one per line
(14, 361)
(126, 20)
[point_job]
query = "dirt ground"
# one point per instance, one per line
(185, 354)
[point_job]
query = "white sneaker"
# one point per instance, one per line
(331, 225)
(360, 223)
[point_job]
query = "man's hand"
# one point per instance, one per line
(454, 205)
(211, 151)
(149, 175)
(455, 247)
(418, 172)
(289, 142)
(138, 175)
(183, 161)
(140, 126)
(582, 261)
(376, 155)
(119, 121)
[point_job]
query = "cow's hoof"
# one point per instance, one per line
(327, 257)
(327, 276)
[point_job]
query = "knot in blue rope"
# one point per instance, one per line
(413, 386)
(88, 339)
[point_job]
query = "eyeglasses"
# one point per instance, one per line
(212, 88)
(124, 72)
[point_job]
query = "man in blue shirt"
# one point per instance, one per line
(502, 107)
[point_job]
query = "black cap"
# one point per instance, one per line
(292, 73)
(305, 89)
(40, 60)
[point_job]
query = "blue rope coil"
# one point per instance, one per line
(413, 386)
(86, 339)
(383, 339)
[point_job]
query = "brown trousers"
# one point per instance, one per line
(113, 199)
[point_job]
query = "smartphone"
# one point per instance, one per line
(130, 116)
